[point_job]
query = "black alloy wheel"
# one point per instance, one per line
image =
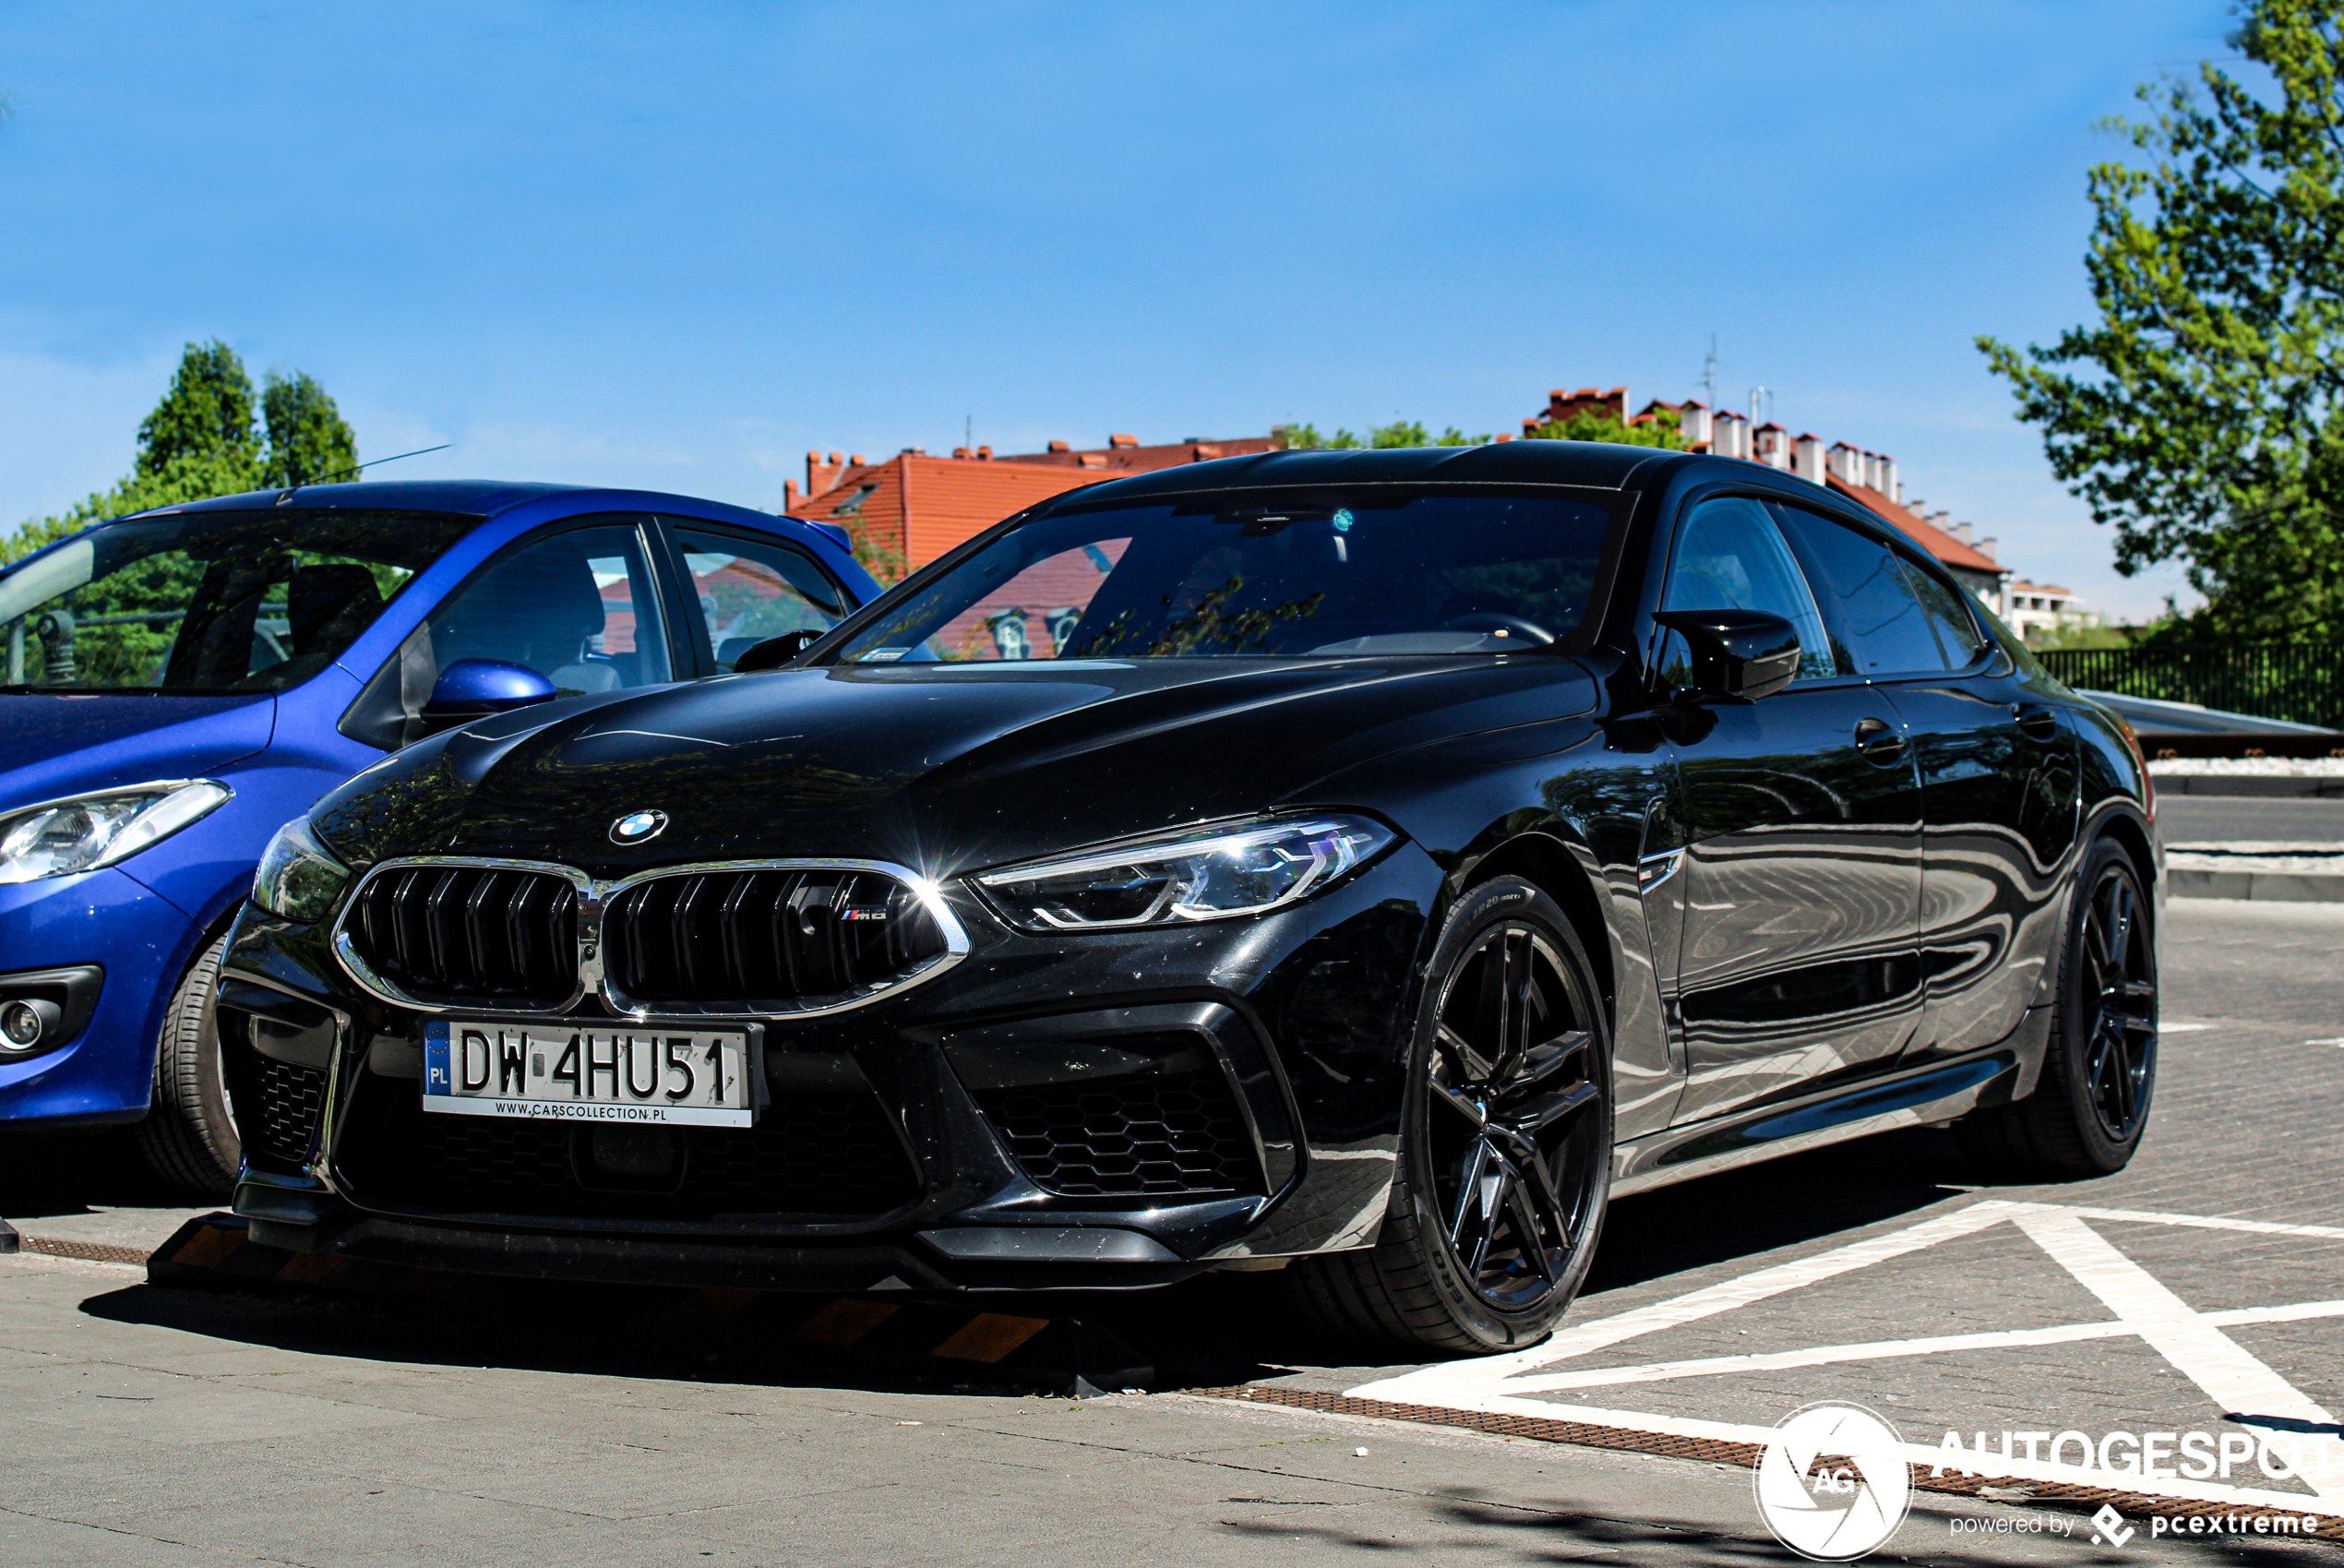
(2120, 990)
(1505, 1148)
(1509, 1087)
(2091, 1104)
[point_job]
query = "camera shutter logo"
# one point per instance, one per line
(1832, 1483)
(637, 826)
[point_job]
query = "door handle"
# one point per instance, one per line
(1882, 743)
(2037, 722)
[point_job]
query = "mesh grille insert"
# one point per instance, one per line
(1128, 1137)
(285, 1121)
(471, 933)
(770, 935)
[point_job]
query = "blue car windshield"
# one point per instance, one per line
(210, 601)
(1378, 573)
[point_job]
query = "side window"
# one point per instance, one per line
(1956, 628)
(751, 589)
(579, 607)
(1730, 556)
(1883, 627)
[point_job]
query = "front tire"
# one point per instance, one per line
(2090, 1105)
(188, 1138)
(1505, 1156)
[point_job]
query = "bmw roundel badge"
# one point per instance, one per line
(637, 826)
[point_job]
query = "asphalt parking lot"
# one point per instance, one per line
(165, 1426)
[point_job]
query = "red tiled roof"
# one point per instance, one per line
(1947, 549)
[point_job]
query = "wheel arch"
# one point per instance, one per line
(1547, 862)
(2128, 832)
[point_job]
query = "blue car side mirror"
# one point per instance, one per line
(472, 688)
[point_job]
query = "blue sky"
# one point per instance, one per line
(676, 245)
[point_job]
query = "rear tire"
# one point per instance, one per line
(2091, 1104)
(188, 1138)
(1505, 1156)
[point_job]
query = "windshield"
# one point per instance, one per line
(1379, 573)
(217, 601)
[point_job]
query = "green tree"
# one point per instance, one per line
(201, 441)
(2203, 420)
(309, 443)
(1592, 424)
(1399, 433)
(207, 414)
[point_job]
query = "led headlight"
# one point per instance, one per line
(57, 838)
(1211, 874)
(299, 877)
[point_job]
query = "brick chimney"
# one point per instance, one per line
(1960, 530)
(820, 476)
(1986, 547)
(1845, 462)
(1696, 424)
(1771, 445)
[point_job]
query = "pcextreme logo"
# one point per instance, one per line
(1832, 1483)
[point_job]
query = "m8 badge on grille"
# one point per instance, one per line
(554, 1073)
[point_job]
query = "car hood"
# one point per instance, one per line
(60, 745)
(942, 768)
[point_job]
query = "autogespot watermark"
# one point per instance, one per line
(1832, 1483)
(2247, 1456)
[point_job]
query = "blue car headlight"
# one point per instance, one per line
(298, 877)
(83, 832)
(1206, 874)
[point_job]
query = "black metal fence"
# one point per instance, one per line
(2300, 682)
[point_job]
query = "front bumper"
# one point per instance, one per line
(1116, 1108)
(103, 1071)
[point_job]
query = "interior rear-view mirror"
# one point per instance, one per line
(1737, 655)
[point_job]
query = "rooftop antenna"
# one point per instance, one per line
(419, 451)
(1709, 372)
(968, 432)
(1761, 396)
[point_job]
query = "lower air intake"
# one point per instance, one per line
(1128, 1137)
(284, 1124)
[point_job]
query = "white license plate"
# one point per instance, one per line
(559, 1072)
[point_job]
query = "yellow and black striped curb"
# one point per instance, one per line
(1065, 1355)
(1719, 1451)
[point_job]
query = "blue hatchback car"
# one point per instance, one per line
(182, 682)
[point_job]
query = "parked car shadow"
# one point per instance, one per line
(54, 1175)
(1216, 1330)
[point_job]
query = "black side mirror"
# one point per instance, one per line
(775, 651)
(1737, 655)
(473, 688)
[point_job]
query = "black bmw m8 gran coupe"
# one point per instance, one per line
(1366, 864)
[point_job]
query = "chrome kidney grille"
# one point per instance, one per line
(742, 936)
(501, 937)
(755, 939)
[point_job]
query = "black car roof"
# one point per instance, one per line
(1591, 464)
